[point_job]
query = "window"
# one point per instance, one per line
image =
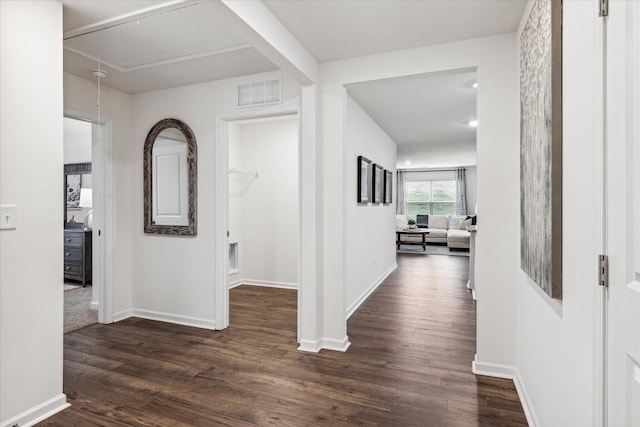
(431, 197)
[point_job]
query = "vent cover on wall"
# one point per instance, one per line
(260, 93)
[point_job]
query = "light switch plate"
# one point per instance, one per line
(8, 218)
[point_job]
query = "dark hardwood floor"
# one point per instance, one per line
(409, 364)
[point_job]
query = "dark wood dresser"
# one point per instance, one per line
(77, 255)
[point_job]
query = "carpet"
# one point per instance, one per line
(431, 250)
(77, 309)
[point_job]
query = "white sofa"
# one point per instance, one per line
(450, 230)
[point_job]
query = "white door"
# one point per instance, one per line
(622, 110)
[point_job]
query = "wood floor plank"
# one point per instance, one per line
(413, 342)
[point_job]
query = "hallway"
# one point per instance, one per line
(409, 364)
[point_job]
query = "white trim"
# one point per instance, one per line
(177, 319)
(221, 198)
(336, 345)
(127, 17)
(310, 346)
(599, 231)
(39, 412)
(95, 305)
(236, 283)
(525, 401)
(498, 370)
(267, 284)
(122, 315)
(362, 298)
(103, 247)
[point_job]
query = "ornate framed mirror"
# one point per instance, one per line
(170, 179)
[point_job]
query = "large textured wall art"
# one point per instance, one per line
(541, 146)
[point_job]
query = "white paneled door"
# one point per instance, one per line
(622, 221)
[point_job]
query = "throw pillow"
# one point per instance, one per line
(422, 221)
(438, 222)
(401, 222)
(473, 218)
(465, 223)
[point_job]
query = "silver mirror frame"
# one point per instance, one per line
(192, 155)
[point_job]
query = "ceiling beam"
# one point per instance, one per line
(253, 21)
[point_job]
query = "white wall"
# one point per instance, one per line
(31, 156)
(555, 338)
(80, 100)
(77, 142)
(370, 229)
(497, 178)
(269, 217)
(174, 276)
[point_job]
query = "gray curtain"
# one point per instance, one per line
(461, 191)
(401, 205)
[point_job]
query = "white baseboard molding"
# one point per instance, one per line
(310, 346)
(235, 283)
(527, 407)
(265, 283)
(122, 315)
(196, 322)
(353, 307)
(336, 345)
(493, 369)
(509, 372)
(39, 412)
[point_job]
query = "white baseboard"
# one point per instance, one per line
(122, 315)
(310, 346)
(527, 407)
(175, 318)
(353, 307)
(39, 412)
(336, 345)
(493, 369)
(509, 372)
(265, 283)
(235, 283)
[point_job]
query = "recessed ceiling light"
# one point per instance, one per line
(407, 163)
(472, 123)
(475, 85)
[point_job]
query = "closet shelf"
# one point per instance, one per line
(243, 172)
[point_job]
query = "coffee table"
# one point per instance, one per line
(412, 232)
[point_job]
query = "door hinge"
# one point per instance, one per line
(603, 270)
(603, 5)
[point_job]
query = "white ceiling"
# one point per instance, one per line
(425, 110)
(340, 29)
(153, 45)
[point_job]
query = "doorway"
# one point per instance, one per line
(263, 203)
(82, 202)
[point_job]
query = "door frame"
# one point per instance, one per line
(102, 248)
(222, 205)
(607, 142)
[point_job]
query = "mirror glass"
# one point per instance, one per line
(78, 195)
(170, 179)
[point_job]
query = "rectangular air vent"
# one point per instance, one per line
(260, 93)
